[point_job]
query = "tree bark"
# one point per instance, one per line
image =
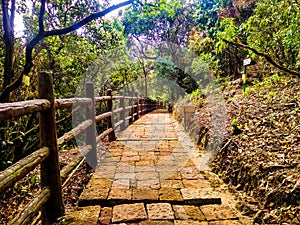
(9, 46)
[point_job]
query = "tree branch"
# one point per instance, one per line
(12, 13)
(86, 20)
(41, 16)
(266, 56)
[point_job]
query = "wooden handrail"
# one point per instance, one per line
(69, 102)
(117, 110)
(103, 98)
(67, 137)
(66, 170)
(51, 177)
(29, 211)
(103, 116)
(104, 134)
(17, 109)
(18, 170)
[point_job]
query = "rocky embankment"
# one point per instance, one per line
(260, 153)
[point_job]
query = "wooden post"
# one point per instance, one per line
(91, 157)
(111, 136)
(184, 115)
(137, 107)
(131, 102)
(50, 174)
(122, 113)
(142, 106)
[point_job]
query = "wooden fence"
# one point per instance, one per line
(49, 199)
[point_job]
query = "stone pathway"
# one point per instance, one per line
(153, 174)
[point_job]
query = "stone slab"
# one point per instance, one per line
(197, 193)
(156, 222)
(190, 222)
(147, 175)
(100, 183)
(200, 183)
(188, 212)
(144, 194)
(129, 212)
(190, 173)
(169, 175)
(125, 175)
(225, 222)
(158, 211)
(92, 195)
(121, 184)
(105, 216)
(121, 194)
(83, 216)
(153, 184)
(218, 212)
(170, 194)
(176, 184)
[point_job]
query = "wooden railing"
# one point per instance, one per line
(49, 199)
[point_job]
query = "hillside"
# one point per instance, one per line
(260, 158)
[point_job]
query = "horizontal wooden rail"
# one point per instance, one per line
(66, 170)
(18, 170)
(69, 102)
(103, 116)
(130, 97)
(103, 99)
(118, 110)
(31, 208)
(128, 107)
(128, 118)
(117, 97)
(67, 137)
(119, 123)
(17, 109)
(103, 134)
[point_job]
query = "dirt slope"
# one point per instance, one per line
(260, 157)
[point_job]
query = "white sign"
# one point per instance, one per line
(247, 62)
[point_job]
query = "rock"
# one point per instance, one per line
(129, 212)
(158, 211)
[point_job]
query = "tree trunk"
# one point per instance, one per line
(9, 45)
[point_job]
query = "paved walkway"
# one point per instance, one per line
(153, 174)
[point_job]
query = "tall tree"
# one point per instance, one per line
(161, 29)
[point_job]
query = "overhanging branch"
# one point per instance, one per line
(266, 56)
(86, 20)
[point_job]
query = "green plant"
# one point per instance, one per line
(247, 91)
(235, 127)
(235, 122)
(272, 120)
(275, 78)
(272, 94)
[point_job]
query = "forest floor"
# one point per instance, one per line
(260, 156)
